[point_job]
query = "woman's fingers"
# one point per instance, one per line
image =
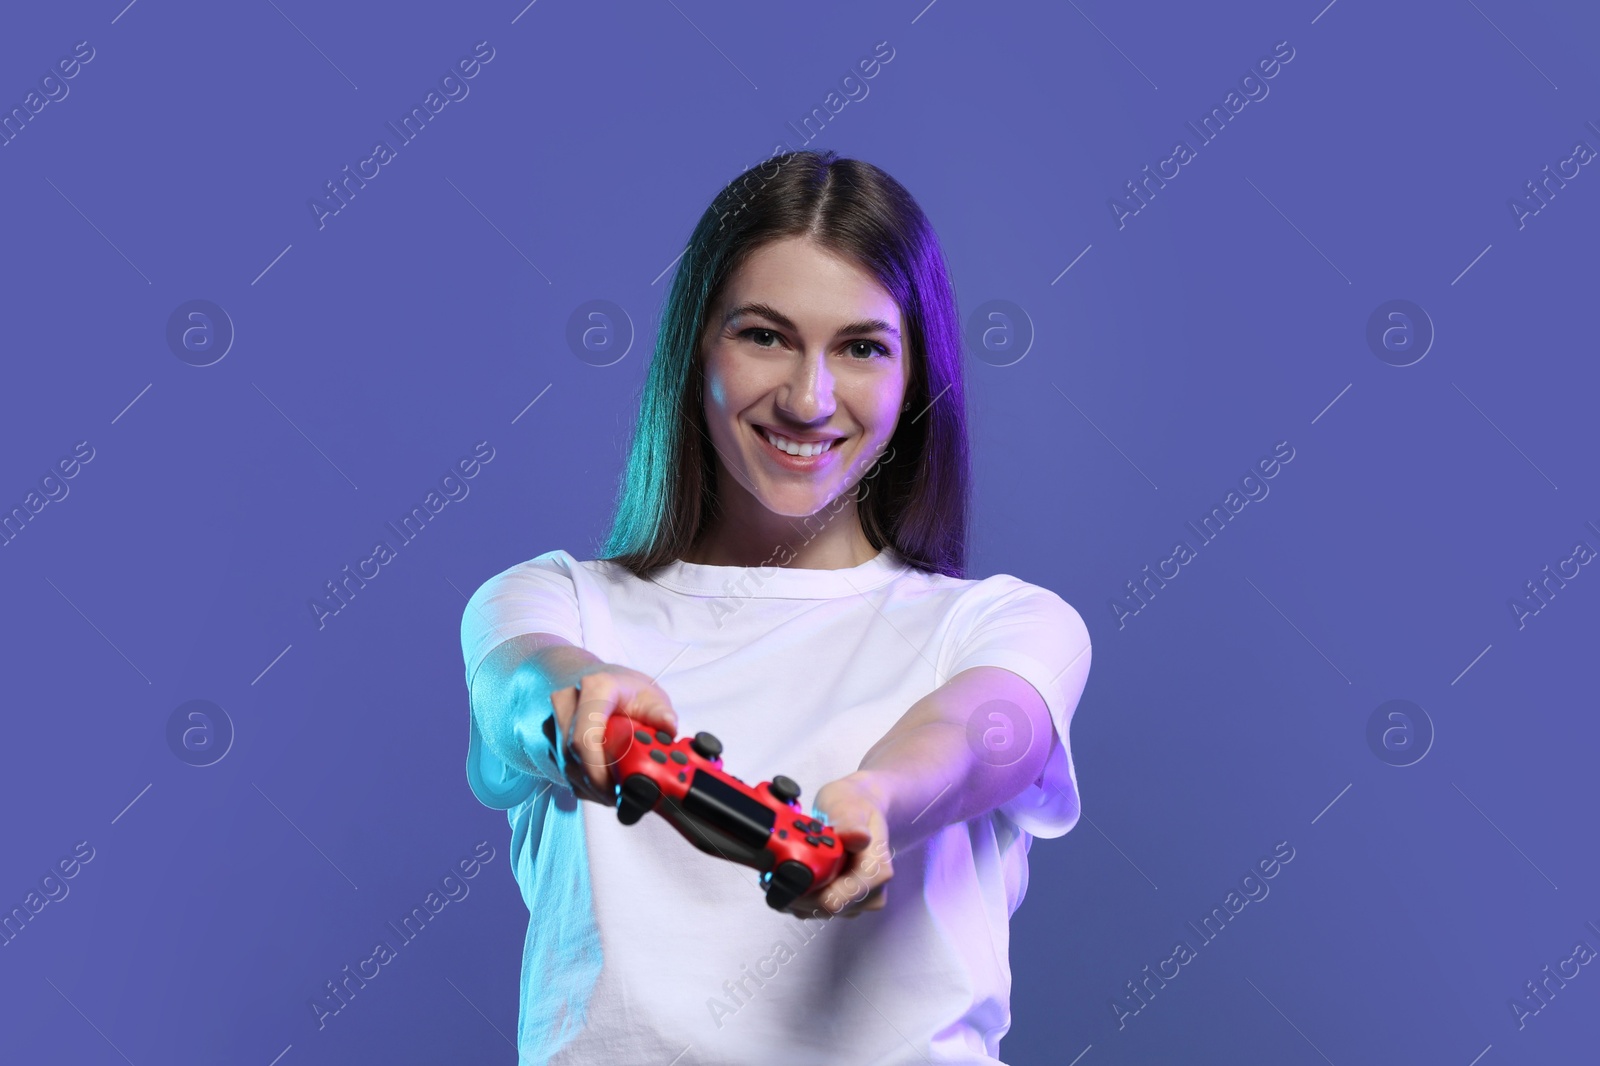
(855, 812)
(862, 886)
(642, 699)
(596, 697)
(846, 897)
(875, 900)
(581, 712)
(567, 740)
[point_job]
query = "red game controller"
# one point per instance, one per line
(762, 827)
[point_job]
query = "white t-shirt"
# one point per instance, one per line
(640, 949)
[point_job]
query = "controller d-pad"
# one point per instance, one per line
(663, 736)
(642, 735)
(803, 825)
(678, 757)
(813, 841)
(658, 755)
(827, 841)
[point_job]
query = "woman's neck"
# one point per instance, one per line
(821, 541)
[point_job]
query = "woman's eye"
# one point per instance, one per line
(861, 350)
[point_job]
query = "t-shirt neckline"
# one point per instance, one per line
(780, 582)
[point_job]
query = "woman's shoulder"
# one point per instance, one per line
(564, 563)
(977, 588)
(557, 560)
(1008, 594)
(560, 559)
(553, 570)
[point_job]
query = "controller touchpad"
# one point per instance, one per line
(722, 805)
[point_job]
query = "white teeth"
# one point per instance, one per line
(795, 447)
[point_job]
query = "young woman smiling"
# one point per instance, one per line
(787, 561)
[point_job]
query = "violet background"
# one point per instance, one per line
(1229, 314)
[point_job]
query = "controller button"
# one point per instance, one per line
(678, 757)
(663, 736)
(827, 841)
(706, 746)
(658, 755)
(681, 777)
(642, 735)
(815, 826)
(802, 825)
(813, 841)
(784, 789)
(783, 834)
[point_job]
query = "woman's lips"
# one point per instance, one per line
(797, 462)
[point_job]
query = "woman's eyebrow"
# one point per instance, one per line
(865, 325)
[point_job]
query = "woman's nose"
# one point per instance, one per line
(808, 395)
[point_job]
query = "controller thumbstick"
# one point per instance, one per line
(784, 788)
(706, 746)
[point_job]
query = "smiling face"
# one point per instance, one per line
(805, 346)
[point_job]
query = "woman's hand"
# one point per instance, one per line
(577, 728)
(854, 807)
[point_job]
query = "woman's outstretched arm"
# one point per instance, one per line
(511, 697)
(511, 700)
(933, 768)
(928, 772)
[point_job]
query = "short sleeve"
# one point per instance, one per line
(1037, 635)
(537, 596)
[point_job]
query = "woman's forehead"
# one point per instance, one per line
(810, 287)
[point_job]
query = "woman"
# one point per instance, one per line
(787, 560)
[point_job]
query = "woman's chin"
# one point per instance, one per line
(792, 504)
